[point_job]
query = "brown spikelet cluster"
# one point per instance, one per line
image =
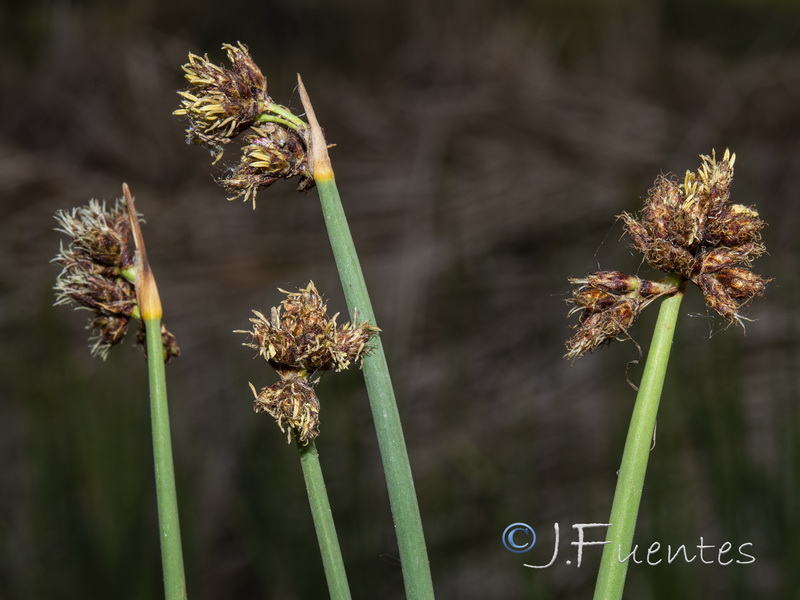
(98, 271)
(297, 340)
(292, 402)
(299, 335)
(609, 302)
(690, 230)
(271, 152)
(222, 103)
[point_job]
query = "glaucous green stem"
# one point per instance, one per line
(625, 508)
(328, 542)
(399, 481)
(169, 525)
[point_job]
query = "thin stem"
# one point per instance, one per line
(150, 310)
(389, 430)
(328, 542)
(284, 117)
(625, 508)
(268, 118)
(169, 525)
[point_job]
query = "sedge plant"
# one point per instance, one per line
(101, 273)
(694, 233)
(224, 104)
(299, 341)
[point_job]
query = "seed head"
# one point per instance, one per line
(99, 232)
(97, 272)
(693, 230)
(690, 230)
(678, 215)
(598, 328)
(609, 302)
(298, 340)
(299, 335)
(293, 403)
(221, 103)
(92, 266)
(271, 152)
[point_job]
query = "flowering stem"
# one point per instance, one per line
(625, 508)
(149, 305)
(328, 542)
(169, 525)
(391, 442)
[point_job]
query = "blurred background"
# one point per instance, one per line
(483, 150)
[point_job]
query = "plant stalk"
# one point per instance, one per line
(328, 542)
(168, 522)
(150, 311)
(389, 430)
(627, 497)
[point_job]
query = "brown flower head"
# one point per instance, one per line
(271, 152)
(293, 403)
(298, 340)
(693, 230)
(99, 233)
(609, 302)
(299, 335)
(93, 267)
(98, 272)
(221, 103)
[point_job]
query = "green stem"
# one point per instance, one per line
(323, 522)
(625, 508)
(169, 526)
(396, 466)
(129, 274)
(275, 113)
(268, 118)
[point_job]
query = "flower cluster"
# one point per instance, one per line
(271, 152)
(691, 230)
(98, 273)
(298, 340)
(293, 403)
(221, 104)
(609, 302)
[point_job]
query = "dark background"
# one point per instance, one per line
(483, 152)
